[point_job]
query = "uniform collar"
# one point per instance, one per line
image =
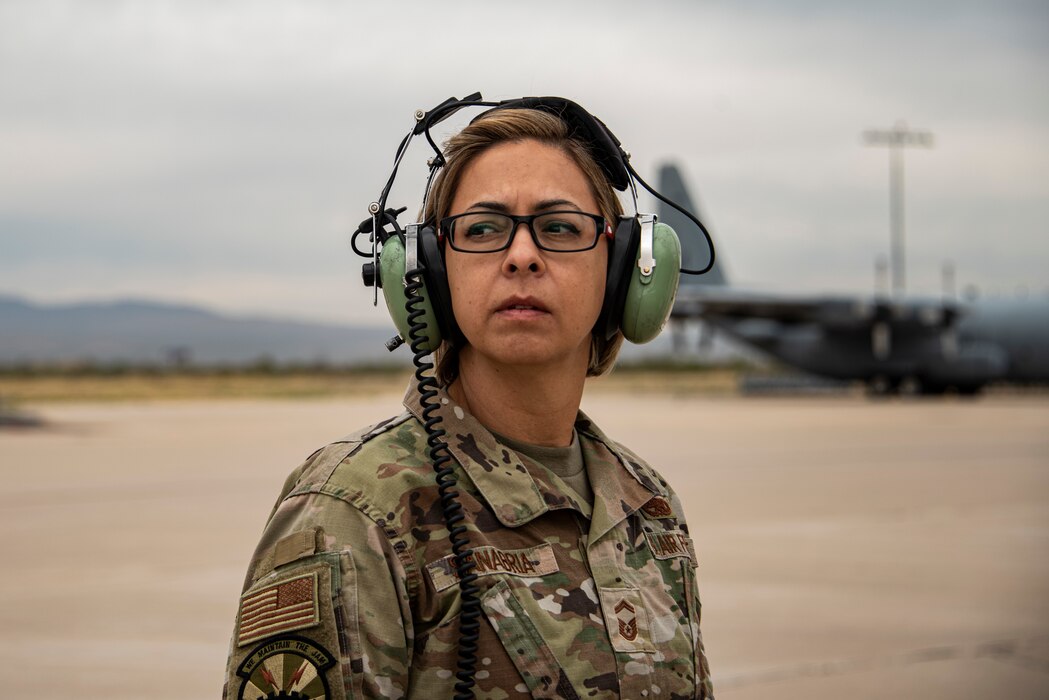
(516, 495)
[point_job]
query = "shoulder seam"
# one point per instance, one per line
(341, 451)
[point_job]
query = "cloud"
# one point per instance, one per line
(225, 152)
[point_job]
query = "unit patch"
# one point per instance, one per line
(534, 561)
(658, 507)
(283, 607)
(286, 667)
(670, 544)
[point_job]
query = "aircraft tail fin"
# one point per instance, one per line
(693, 247)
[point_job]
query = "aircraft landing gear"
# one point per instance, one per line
(882, 385)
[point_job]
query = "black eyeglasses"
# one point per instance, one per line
(554, 231)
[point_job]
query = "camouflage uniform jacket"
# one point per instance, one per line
(352, 592)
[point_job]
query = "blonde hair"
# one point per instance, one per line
(507, 125)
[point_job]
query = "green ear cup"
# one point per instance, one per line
(391, 268)
(649, 299)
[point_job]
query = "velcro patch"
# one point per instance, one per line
(670, 544)
(295, 546)
(658, 507)
(534, 561)
(282, 607)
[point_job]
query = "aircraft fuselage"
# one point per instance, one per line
(989, 342)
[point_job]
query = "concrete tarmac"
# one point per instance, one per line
(848, 548)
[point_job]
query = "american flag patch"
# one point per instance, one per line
(282, 607)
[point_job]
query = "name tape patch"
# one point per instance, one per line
(534, 561)
(670, 544)
(282, 607)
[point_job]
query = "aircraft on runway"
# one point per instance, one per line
(913, 345)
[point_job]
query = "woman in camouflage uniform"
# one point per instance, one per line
(586, 572)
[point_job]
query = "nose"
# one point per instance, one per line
(523, 254)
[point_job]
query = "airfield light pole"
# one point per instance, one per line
(897, 138)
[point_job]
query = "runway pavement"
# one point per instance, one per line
(848, 548)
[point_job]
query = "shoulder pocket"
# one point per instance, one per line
(289, 636)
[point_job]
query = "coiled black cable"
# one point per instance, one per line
(469, 623)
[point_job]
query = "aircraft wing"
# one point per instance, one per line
(831, 312)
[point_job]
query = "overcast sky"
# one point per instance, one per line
(222, 153)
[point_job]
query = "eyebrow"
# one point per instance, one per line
(544, 205)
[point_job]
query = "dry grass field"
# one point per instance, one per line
(161, 386)
(849, 548)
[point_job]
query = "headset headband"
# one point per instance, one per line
(583, 127)
(605, 148)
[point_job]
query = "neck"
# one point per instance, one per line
(536, 405)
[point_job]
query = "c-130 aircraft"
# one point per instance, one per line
(925, 346)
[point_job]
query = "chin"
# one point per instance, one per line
(530, 352)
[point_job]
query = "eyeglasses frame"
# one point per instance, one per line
(604, 229)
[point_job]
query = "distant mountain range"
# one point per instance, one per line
(157, 333)
(148, 332)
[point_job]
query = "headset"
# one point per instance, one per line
(408, 265)
(644, 256)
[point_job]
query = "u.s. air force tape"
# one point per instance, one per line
(670, 544)
(533, 561)
(286, 667)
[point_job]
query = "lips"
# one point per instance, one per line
(521, 305)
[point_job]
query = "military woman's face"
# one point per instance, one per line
(523, 305)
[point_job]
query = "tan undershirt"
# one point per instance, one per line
(566, 462)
